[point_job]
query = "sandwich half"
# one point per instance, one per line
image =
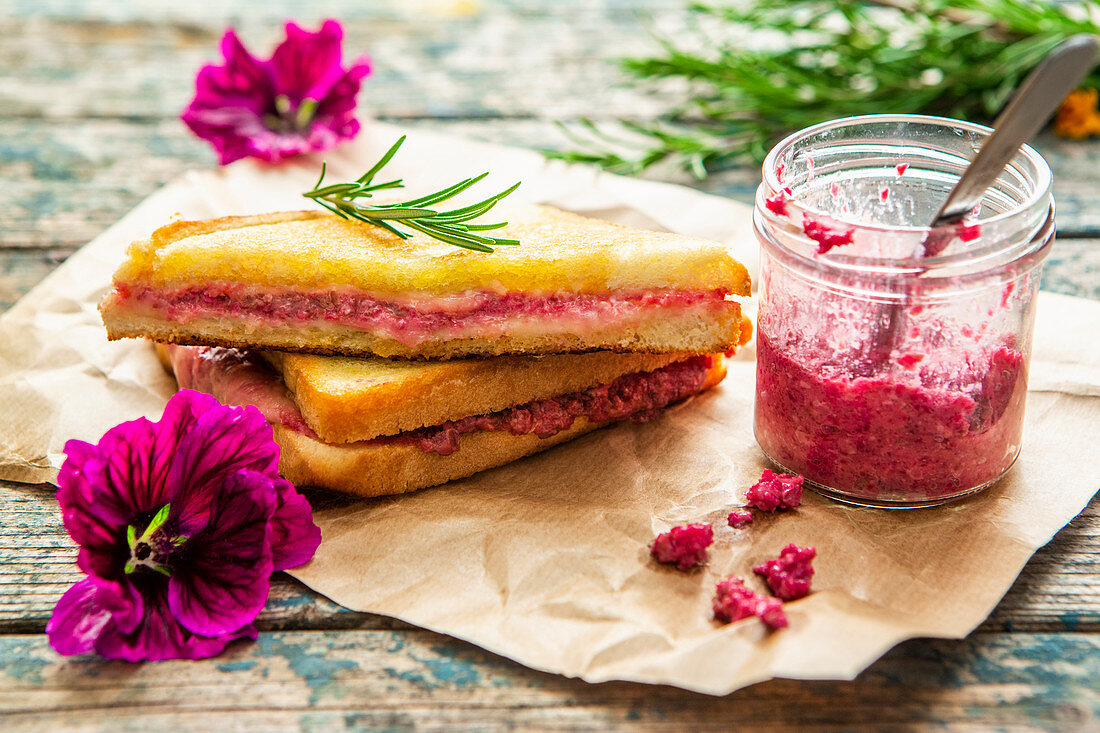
(374, 427)
(314, 283)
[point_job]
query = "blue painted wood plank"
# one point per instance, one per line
(391, 678)
(1059, 590)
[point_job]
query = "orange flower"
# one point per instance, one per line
(1078, 117)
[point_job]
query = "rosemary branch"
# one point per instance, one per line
(417, 214)
(829, 59)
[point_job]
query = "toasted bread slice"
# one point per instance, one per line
(345, 399)
(388, 465)
(311, 282)
(380, 469)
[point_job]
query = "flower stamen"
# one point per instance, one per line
(232, 521)
(304, 116)
(143, 549)
(286, 119)
(282, 105)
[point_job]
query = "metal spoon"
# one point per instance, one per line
(1034, 102)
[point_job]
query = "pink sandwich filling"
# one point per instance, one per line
(236, 378)
(637, 397)
(407, 321)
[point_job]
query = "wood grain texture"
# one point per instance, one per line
(89, 98)
(496, 71)
(418, 679)
(48, 168)
(1059, 590)
(430, 59)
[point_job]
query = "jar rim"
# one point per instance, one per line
(1043, 183)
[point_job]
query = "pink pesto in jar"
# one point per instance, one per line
(892, 357)
(889, 436)
(778, 204)
(825, 235)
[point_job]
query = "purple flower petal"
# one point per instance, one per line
(294, 536)
(99, 541)
(301, 100)
(124, 602)
(231, 140)
(89, 608)
(274, 146)
(306, 65)
(225, 583)
(160, 636)
(223, 441)
(138, 455)
(337, 106)
(103, 488)
(105, 480)
(243, 74)
(77, 619)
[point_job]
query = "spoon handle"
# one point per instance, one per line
(1033, 104)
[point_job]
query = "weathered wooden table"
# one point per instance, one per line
(89, 98)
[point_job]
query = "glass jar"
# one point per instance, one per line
(892, 358)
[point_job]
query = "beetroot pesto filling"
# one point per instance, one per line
(637, 397)
(364, 311)
(235, 377)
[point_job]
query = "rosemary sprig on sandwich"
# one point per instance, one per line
(309, 281)
(452, 226)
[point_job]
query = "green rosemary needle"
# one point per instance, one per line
(732, 98)
(417, 214)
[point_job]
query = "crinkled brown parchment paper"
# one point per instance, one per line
(545, 560)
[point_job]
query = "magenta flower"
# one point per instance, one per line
(300, 100)
(180, 525)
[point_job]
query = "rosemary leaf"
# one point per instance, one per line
(957, 58)
(451, 226)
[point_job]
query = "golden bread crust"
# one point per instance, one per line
(558, 251)
(682, 332)
(367, 469)
(380, 469)
(346, 399)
